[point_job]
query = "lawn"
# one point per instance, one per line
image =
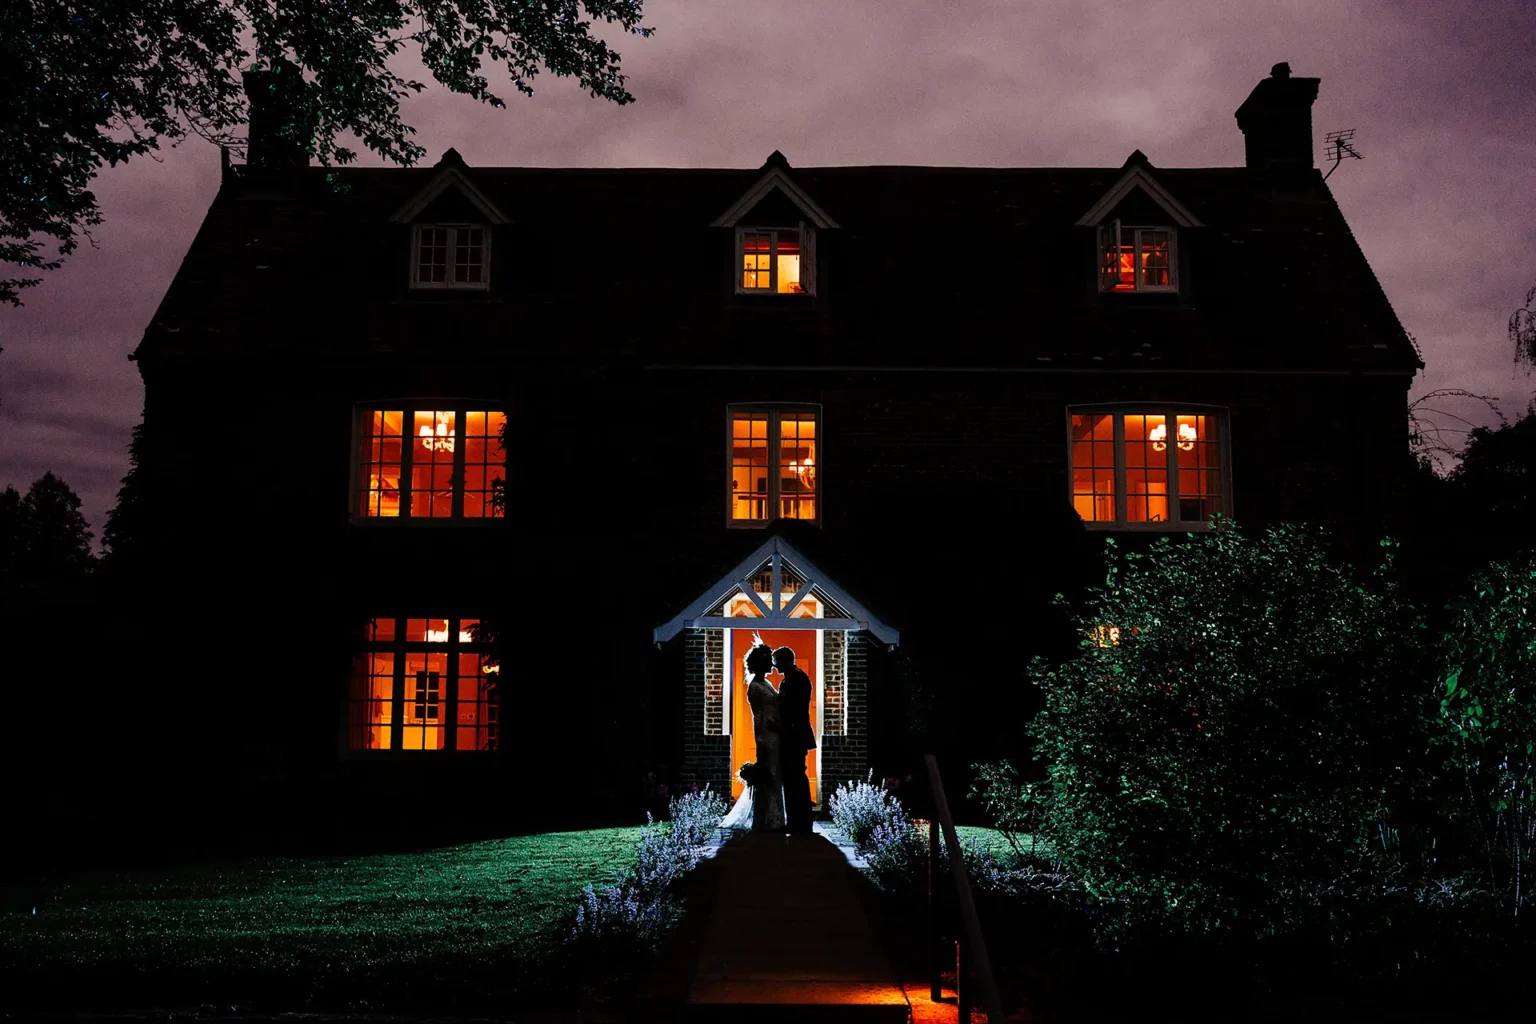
(470, 925)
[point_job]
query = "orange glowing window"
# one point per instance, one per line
(422, 684)
(451, 256)
(1136, 259)
(774, 261)
(1154, 469)
(774, 464)
(437, 463)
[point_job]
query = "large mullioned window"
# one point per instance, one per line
(774, 464)
(422, 684)
(1148, 468)
(429, 463)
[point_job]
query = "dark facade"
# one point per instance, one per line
(984, 362)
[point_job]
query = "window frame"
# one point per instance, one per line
(1114, 226)
(1170, 411)
(408, 408)
(773, 411)
(807, 234)
(448, 702)
(448, 284)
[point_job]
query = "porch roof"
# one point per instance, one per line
(787, 568)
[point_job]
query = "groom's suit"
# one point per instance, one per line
(795, 738)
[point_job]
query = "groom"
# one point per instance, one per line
(795, 738)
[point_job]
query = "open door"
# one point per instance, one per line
(806, 645)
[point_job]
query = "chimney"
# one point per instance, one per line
(279, 126)
(1276, 121)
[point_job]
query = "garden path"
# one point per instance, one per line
(787, 938)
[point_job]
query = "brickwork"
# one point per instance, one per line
(845, 756)
(706, 756)
(833, 720)
(714, 682)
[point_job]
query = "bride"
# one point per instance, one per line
(761, 806)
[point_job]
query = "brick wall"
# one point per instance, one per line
(833, 720)
(706, 756)
(845, 756)
(714, 682)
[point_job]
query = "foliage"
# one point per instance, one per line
(1522, 332)
(628, 917)
(857, 808)
(1224, 765)
(1497, 478)
(1488, 713)
(1017, 808)
(46, 541)
(122, 539)
(83, 84)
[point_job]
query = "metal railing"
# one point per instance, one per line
(970, 946)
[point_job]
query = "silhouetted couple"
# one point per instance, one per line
(778, 794)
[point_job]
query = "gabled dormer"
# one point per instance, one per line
(1137, 223)
(451, 224)
(774, 226)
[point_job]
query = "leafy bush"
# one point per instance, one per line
(631, 914)
(1017, 808)
(858, 808)
(1221, 760)
(1488, 720)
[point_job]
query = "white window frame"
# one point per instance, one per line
(408, 409)
(772, 410)
(1173, 524)
(1116, 228)
(453, 234)
(807, 260)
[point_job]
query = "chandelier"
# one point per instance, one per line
(1159, 437)
(805, 471)
(439, 441)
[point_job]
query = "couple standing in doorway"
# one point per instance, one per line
(777, 797)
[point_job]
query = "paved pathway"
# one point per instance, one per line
(787, 939)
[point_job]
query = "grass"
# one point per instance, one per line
(479, 923)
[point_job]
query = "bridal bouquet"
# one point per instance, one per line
(751, 773)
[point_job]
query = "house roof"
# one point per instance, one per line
(798, 575)
(917, 254)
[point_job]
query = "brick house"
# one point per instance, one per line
(860, 408)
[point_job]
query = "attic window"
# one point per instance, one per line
(1135, 258)
(775, 261)
(450, 256)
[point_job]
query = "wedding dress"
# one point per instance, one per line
(761, 811)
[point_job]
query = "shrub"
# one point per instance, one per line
(631, 914)
(858, 808)
(1222, 760)
(1488, 723)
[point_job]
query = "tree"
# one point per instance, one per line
(52, 539)
(1232, 735)
(1488, 711)
(86, 83)
(1522, 331)
(122, 539)
(10, 537)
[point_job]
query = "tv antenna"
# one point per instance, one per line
(1337, 144)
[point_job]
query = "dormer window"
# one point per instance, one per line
(1135, 258)
(775, 261)
(450, 256)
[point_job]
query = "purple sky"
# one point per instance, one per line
(1440, 92)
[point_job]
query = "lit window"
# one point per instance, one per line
(450, 256)
(775, 261)
(1147, 469)
(422, 684)
(1105, 636)
(774, 464)
(429, 463)
(1136, 259)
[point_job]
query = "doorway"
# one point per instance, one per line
(806, 643)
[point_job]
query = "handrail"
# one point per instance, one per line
(993, 1002)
